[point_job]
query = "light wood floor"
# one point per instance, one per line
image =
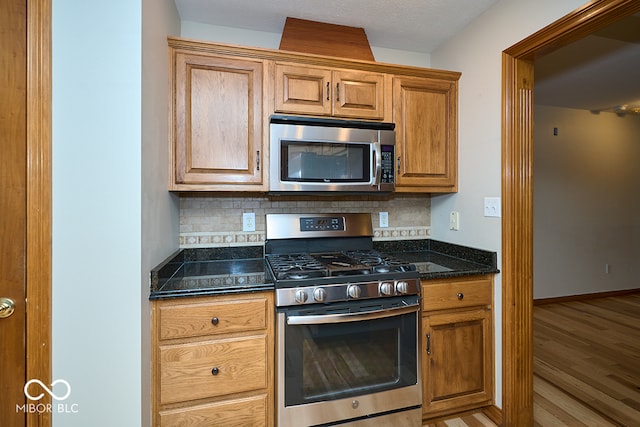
(587, 362)
(586, 365)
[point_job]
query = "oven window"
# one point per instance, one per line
(325, 161)
(334, 361)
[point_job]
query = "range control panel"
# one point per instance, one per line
(322, 224)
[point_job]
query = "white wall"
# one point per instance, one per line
(585, 202)
(97, 210)
(160, 209)
(114, 219)
(476, 52)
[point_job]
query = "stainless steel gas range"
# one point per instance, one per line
(347, 324)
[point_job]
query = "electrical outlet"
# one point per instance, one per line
(454, 221)
(248, 221)
(492, 206)
(384, 219)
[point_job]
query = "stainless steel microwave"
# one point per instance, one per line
(314, 155)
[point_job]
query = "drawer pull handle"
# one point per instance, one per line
(215, 371)
(460, 296)
(215, 321)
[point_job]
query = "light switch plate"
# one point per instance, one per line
(248, 221)
(454, 220)
(492, 207)
(384, 219)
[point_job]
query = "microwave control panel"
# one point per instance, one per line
(387, 164)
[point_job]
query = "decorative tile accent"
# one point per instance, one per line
(220, 239)
(400, 233)
(230, 239)
(216, 221)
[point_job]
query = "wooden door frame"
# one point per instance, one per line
(38, 233)
(517, 194)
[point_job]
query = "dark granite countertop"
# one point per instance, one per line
(436, 259)
(212, 271)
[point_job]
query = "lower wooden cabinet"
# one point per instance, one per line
(213, 360)
(457, 345)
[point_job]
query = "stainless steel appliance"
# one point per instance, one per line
(327, 155)
(347, 324)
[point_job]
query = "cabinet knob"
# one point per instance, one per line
(215, 321)
(215, 371)
(460, 295)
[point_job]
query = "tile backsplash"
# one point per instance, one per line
(216, 221)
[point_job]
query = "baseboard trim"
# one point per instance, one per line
(582, 297)
(493, 413)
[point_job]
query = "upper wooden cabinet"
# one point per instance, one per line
(326, 92)
(217, 112)
(425, 113)
(223, 95)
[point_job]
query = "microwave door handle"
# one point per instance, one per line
(351, 317)
(377, 164)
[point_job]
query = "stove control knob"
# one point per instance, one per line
(319, 294)
(354, 291)
(402, 287)
(300, 296)
(386, 289)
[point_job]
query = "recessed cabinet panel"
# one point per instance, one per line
(425, 113)
(303, 90)
(359, 95)
(192, 320)
(217, 115)
(213, 368)
(325, 92)
(236, 413)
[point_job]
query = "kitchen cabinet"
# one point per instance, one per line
(221, 98)
(213, 360)
(323, 91)
(425, 113)
(217, 141)
(457, 345)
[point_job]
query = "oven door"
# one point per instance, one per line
(348, 361)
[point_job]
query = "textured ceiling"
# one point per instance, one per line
(413, 25)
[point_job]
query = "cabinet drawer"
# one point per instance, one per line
(212, 368)
(251, 411)
(454, 294)
(221, 317)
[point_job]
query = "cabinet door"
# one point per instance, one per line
(425, 113)
(457, 361)
(326, 92)
(358, 94)
(218, 123)
(303, 90)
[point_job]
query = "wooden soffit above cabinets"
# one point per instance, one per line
(319, 38)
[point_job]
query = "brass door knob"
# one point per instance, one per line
(7, 307)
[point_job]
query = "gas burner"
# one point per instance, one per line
(330, 266)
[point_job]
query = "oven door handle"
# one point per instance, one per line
(351, 317)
